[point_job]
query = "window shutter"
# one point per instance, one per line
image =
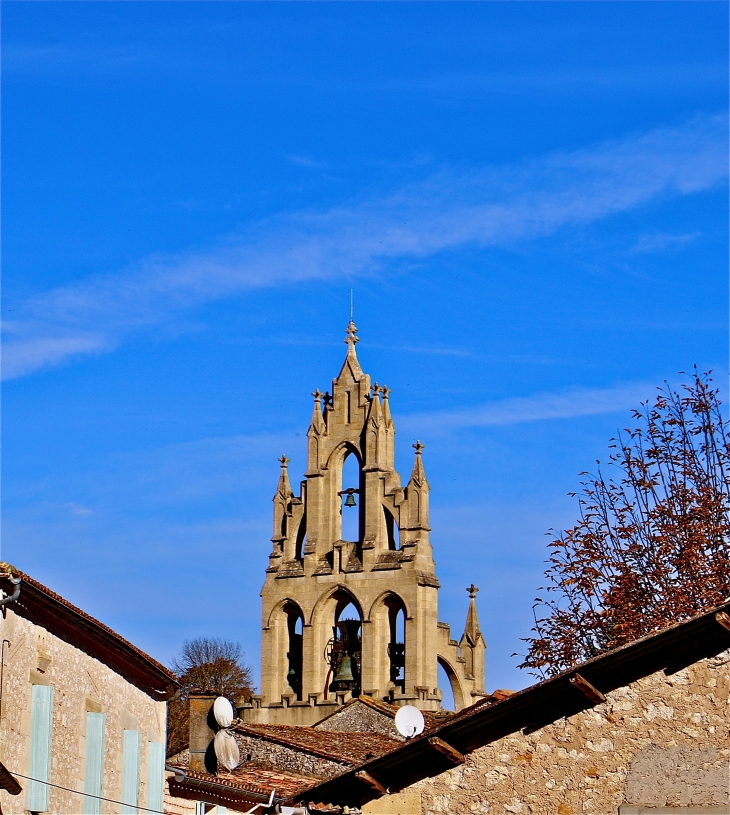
(130, 772)
(94, 767)
(41, 722)
(155, 775)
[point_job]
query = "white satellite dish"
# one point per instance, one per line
(226, 750)
(409, 721)
(223, 712)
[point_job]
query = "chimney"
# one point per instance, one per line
(201, 731)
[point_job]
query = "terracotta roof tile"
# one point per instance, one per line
(345, 747)
(257, 779)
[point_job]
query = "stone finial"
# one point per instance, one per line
(375, 390)
(317, 393)
(418, 447)
(472, 592)
(385, 390)
(351, 337)
(284, 461)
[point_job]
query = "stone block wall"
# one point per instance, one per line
(661, 742)
(80, 684)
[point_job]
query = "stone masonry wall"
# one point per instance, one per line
(280, 757)
(659, 742)
(359, 717)
(80, 683)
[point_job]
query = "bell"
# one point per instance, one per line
(344, 671)
(350, 500)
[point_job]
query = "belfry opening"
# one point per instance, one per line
(350, 599)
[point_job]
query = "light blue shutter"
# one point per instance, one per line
(220, 810)
(94, 767)
(130, 772)
(41, 721)
(155, 775)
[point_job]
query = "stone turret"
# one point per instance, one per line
(349, 617)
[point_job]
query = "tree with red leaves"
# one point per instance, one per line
(652, 546)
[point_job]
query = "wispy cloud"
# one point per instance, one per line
(78, 509)
(447, 210)
(565, 404)
(662, 242)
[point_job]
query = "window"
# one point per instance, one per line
(94, 766)
(130, 772)
(41, 720)
(155, 774)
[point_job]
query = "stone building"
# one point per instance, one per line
(640, 730)
(82, 711)
(345, 614)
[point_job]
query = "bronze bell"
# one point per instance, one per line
(344, 671)
(350, 500)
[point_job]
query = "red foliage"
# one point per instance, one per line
(652, 545)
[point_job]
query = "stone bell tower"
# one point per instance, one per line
(342, 618)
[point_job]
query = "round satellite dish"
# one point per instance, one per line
(409, 721)
(223, 712)
(226, 750)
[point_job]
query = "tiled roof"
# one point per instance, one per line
(256, 779)
(506, 712)
(39, 603)
(432, 718)
(345, 747)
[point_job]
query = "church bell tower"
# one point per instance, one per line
(350, 600)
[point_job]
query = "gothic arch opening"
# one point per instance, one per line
(294, 654)
(453, 681)
(343, 651)
(301, 540)
(396, 650)
(392, 529)
(351, 503)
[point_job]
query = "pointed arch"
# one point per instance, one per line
(387, 616)
(458, 691)
(328, 596)
(381, 599)
(337, 457)
(279, 607)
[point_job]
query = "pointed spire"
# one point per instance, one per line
(471, 629)
(375, 414)
(385, 390)
(284, 487)
(317, 420)
(418, 476)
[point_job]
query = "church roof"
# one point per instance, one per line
(344, 747)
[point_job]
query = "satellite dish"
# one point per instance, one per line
(226, 750)
(223, 712)
(409, 721)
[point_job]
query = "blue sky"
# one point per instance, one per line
(529, 201)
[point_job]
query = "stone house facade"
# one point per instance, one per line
(82, 711)
(642, 730)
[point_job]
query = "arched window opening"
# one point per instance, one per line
(295, 628)
(283, 525)
(392, 528)
(397, 642)
(447, 692)
(344, 650)
(452, 695)
(351, 501)
(301, 540)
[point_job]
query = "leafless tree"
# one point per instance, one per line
(205, 663)
(652, 545)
